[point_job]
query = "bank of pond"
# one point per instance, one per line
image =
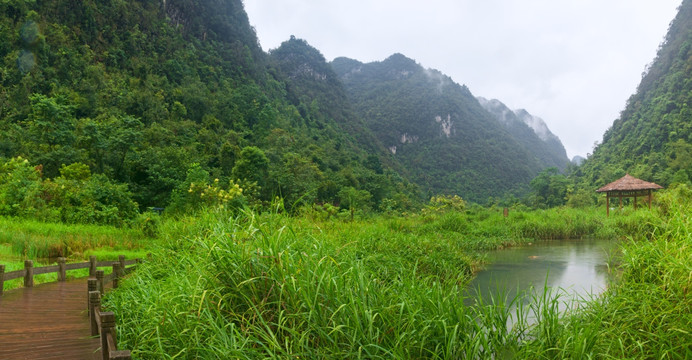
(249, 285)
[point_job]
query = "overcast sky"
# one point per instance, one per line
(573, 63)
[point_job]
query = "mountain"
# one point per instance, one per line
(317, 92)
(158, 95)
(530, 131)
(578, 160)
(436, 129)
(652, 138)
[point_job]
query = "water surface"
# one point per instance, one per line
(577, 266)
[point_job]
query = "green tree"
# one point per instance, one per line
(354, 199)
(549, 188)
(298, 180)
(252, 166)
(50, 134)
(20, 187)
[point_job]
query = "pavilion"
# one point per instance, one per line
(628, 186)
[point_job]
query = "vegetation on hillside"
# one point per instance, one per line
(652, 138)
(144, 92)
(436, 129)
(546, 147)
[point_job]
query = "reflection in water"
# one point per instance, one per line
(577, 266)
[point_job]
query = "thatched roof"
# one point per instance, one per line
(629, 183)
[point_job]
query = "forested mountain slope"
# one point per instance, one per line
(652, 138)
(437, 129)
(159, 95)
(530, 131)
(319, 95)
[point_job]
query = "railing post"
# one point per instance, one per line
(107, 326)
(91, 286)
(92, 265)
(116, 274)
(99, 280)
(61, 269)
(121, 259)
(29, 275)
(2, 278)
(94, 306)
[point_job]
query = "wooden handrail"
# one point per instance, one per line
(103, 324)
(61, 269)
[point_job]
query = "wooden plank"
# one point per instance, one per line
(28, 273)
(15, 274)
(111, 342)
(109, 277)
(76, 266)
(46, 269)
(105, 263)
(52, 313)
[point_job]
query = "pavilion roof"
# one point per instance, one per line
(629, 183)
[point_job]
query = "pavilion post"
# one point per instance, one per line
(649, 199)
(607, 205)
(635, 202)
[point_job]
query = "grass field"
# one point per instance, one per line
(272, 286)
(23, 239)
(248, 285)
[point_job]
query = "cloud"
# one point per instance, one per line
(573, 63)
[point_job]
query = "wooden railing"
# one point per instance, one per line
(102, 323)
(61, 269)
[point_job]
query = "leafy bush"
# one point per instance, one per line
(20, 187)
(197, 192)
(76, 196)
(443, 203)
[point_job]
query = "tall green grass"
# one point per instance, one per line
(646, 312)
(31, 239)
(270, 286)
(22, 239)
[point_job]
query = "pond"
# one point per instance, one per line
(579, 267)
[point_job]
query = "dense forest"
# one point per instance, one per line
(168, 104)
(531, 132)
(110, 108)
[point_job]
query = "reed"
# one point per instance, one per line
(272, 286)
(267, 285)
(249, 285)
(30, 239)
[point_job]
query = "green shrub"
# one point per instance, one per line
(76, 196)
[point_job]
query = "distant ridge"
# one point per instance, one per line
(545, 145)
(438, 131)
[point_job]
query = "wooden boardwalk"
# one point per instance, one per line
(48, 321)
